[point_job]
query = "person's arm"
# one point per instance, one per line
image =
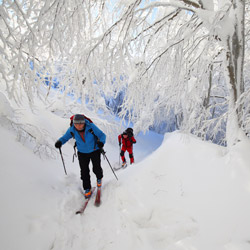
(120, 140)
(101, 136)
(132, 139)
(66, 136)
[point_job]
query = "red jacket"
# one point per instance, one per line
(126, 142)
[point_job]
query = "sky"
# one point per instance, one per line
(181, 194)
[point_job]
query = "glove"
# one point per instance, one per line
(58, 144)
(120, 143)
(100, 144)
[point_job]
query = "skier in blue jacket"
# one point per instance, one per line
(88, 147)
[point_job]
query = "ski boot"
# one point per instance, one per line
(88, 193)
(99, 183)
(124, 164)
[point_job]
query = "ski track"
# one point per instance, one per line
(135, 223)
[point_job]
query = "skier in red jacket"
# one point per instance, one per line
(126, 139)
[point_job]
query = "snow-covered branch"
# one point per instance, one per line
(160, 56)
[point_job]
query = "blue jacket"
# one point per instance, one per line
(90, 144)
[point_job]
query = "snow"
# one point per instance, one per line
(181, 193)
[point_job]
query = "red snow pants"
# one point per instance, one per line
(130, 151)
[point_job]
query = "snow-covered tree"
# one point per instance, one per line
(179, 61)
(175, 47)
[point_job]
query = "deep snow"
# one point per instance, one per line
(187, 194)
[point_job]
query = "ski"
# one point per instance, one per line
(118, 168)
(121, 167)
(82, 209)
(98, 197)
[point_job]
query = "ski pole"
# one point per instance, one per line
(104, 154)
(63, 161)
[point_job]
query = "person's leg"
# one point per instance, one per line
(96, 162)
(84, 166)
(123, 150)
(131, 156)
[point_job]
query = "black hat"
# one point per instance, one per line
(79, 119)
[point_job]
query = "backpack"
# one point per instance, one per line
(72, 117)
(129, 131)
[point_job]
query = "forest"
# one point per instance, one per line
(162, 65)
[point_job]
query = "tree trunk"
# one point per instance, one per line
(234, 68)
